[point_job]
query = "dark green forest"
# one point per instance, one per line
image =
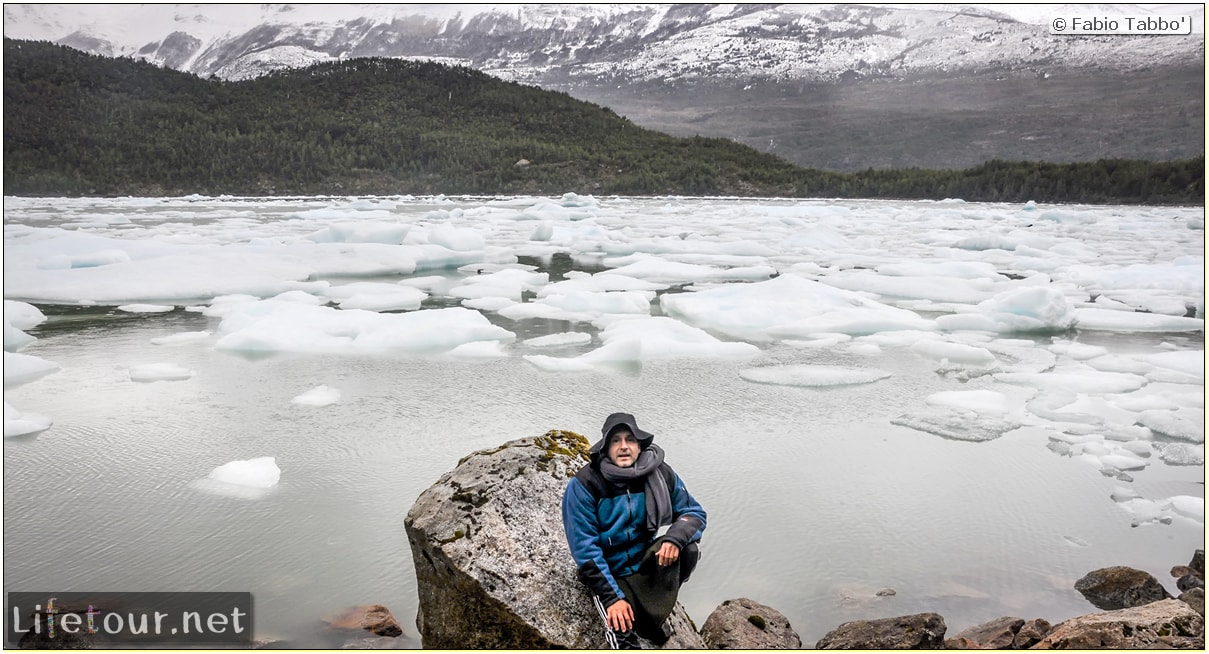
(78, 124)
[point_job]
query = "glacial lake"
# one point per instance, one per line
(818, 496)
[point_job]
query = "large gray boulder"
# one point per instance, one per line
(492, 565)
(919, 631)
(1159, 625)
(1120, 587)
(746, 624)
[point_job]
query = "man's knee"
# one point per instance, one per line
(688, 561)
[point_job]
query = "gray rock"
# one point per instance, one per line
(919, 631)
(374, 618)
(1188, 582)
(1164, 624)
(996, 634)
(1120, 587)
(1198, 562)
(1003, 633)
(1194, 598)
(493, 569)
(1031, 633)
(746, 624)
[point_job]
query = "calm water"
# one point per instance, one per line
(815, 501)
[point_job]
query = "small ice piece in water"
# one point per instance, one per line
(811, 375)
(1189, 507)
(18, 423)
(478, 350)
(1076, 541)
(957, 425)
(15, 339)
(1078, 351)
(1181, 454)
(261, 472)
(564, 338)
(954, 352)
(322, 395)
(146, 308)
(1025, 309)
(24, 368)
(1124, 494)
(982, 401)
(1184, 424)
(181, 338)
(22, 315)
(152, 372)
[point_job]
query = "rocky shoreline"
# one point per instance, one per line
(494, 572)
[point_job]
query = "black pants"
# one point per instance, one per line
(652, 592)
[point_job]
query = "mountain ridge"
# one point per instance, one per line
(836, 87)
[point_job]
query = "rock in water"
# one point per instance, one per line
(1167, 624)
(1120, 587)
(745, 624)
(919, 631)
(493, 568)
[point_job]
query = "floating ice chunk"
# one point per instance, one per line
(23, 368)
(152, 372)
(820, 340)
(299, 296)
(456, 239)
(15, 339)
(564, 338)
(542, 232)
(1189, 507)
(666, 338)
(270, 326)
(811, 375)
(18, 423)
(954, 352)
(508, 283)
(146, 308)
(261, 472)
(981, 401)
(629, 302)
(22, 315)
(222, 304)
(936, 288)
(600, 283)
(1025, 309)
(478, 350)
(86, 260)
(321, 395)
(986, 242)
(1077, 351)
(1124, 494)
(1089, 382)
(1144, 511)
(1189, 362)
(656, 270)
(949, 269)
(1123, 461)
(489, 303)
(1117, 363)
(1130, 321)
(865, 349)
(401, 298)
(958, 425)
(787, 307)
(620, 352)
(1181, 454)
(182, 338)
(1184, 424)
(361, 232)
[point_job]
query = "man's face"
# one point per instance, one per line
(623, 448)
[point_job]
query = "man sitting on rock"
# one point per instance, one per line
(614, 510)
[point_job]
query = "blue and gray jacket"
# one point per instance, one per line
(605, 525)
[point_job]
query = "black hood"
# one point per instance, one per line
(615, 420)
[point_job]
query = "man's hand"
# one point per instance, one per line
(621, 616)
(668, 553)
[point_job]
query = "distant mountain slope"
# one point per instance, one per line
(80, 124)
(838, 87)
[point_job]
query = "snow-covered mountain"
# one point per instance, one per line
(570, 43)
(841, 87)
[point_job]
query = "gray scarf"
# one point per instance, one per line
(658, 499)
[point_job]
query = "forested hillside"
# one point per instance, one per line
(77, 124)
